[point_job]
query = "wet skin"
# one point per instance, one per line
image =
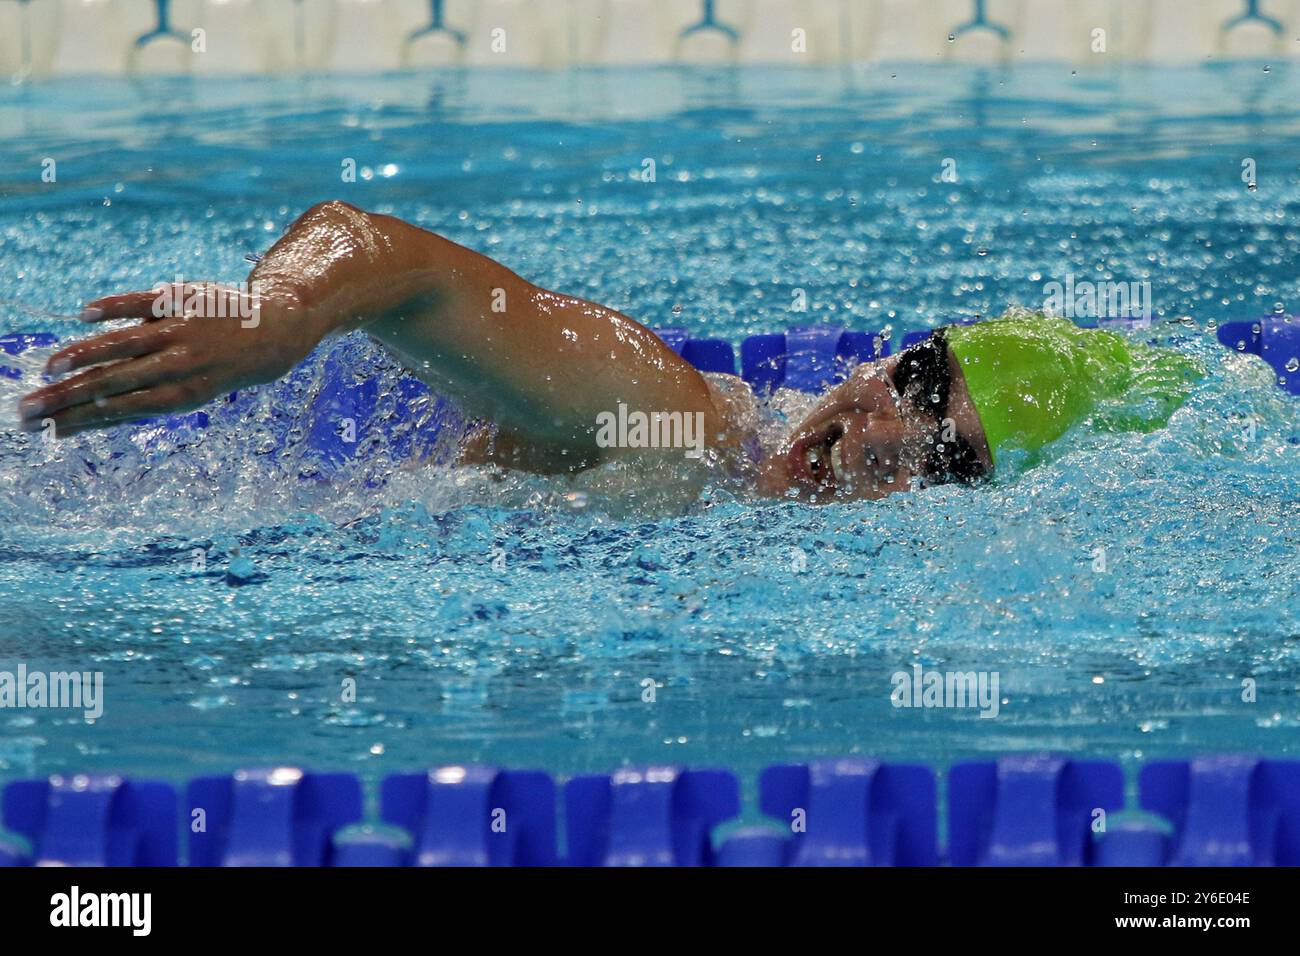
(865, 440)
(539, 365)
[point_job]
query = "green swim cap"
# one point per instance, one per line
(1032, 377)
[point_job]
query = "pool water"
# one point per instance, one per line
(1125, 593)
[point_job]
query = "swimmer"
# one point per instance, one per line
(541, 369)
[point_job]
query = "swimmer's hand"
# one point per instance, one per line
(197, 341)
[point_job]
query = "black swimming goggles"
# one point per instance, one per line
(923, 379)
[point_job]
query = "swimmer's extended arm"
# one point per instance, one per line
(540, 363)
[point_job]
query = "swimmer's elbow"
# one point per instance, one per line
(335, 215)
(330, 209)
(331, 245)
(371, 234)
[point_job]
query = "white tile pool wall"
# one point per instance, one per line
(40, 38)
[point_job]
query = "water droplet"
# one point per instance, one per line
(1293, 364)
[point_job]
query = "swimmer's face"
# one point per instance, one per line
(878, 432)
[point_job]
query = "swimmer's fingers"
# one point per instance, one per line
(101, 383)
(127, 305)
(165, 300)
(109, 347)
(162, 400)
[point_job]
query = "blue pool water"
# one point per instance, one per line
(517, 622)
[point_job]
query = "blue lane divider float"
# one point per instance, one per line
(1227, 810)
(810, 358)
(92, 821)
(340, 400)
(754, 846)
(474, 816)
(1132, 843)
(653, 816)
(348, 413)
(11, 854)
(369, 848)
(1026, 809)
(19, 342)
(269, 817)
(1275, 339)
(854, 812)
(707, 355)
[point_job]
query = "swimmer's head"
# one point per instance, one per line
(893, 422)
